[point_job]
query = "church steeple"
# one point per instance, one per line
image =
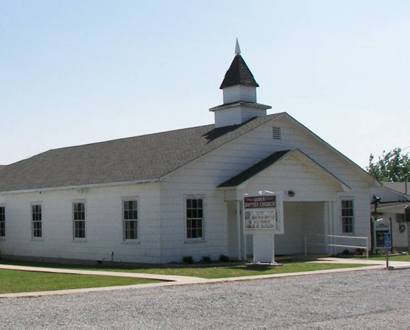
(238, 72)
(239, 94)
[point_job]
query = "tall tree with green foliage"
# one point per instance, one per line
(393, 166)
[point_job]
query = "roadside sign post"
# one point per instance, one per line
(263, 218)
(387, 246)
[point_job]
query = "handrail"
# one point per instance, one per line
(358, 237)
(338, 236)
(333, 244)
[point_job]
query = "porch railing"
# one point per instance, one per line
(318, 241)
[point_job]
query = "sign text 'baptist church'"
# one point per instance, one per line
(260, 202)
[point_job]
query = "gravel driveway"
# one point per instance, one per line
(365, 300)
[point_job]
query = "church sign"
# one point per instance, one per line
(260, 202)
(263, 213)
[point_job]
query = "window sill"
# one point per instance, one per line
(195, 241)
(131, 242)
(80, 240)
(2, 238)
(37, 239)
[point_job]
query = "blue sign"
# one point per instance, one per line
(387, 241)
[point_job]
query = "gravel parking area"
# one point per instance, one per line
(365, 300)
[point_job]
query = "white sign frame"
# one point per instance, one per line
(270, 217)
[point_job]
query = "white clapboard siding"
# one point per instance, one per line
(162, 229)
(206, 173)
(103, 225)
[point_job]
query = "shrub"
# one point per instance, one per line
(187, 260)
(223, 258)
(206, 260)
(360, 252)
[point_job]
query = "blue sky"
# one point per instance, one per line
(74, 72)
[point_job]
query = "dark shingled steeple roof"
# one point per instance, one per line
(238, 74)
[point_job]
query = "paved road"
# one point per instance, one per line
(357, 300)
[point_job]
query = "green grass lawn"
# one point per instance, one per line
(242, 270)
(204, 271)
(12, 281)
(404, 257)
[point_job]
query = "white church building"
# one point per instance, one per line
(159, 197)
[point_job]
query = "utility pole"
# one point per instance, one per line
(407, 219)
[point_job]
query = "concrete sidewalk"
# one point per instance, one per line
(166, 278)
(393, 264)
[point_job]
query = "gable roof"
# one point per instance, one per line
(135, 159)
(389, 195)
(328, 145)
(253, 170)
(238, 74)
(272, 159)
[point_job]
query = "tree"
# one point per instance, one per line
(393, 166)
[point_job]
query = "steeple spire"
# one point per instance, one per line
(237, 48)
(238, 72)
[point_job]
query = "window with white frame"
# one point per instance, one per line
(347, 216)
(36, 218)
(2, 221)
(130, 219)
(194, 218)
(79, 220)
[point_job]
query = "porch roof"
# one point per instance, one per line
(393, 207)
(272, 159)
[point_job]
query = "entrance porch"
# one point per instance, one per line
(302, 220)
(310, 193)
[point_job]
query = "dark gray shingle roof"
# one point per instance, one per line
(272, 159)
(254, 169)
(238, 74)
(145, 157)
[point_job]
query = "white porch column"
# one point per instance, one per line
(327, 219)
(332, 222)
(239, 229)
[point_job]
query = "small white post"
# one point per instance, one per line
(367, 248)
(273, 249)
(245, 257)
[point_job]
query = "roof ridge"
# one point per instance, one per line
(102, 142)
(137, 136)
(129, 137)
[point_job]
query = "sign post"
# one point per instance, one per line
(387, 246)
(263, 218)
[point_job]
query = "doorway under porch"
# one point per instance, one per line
(302, 220)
